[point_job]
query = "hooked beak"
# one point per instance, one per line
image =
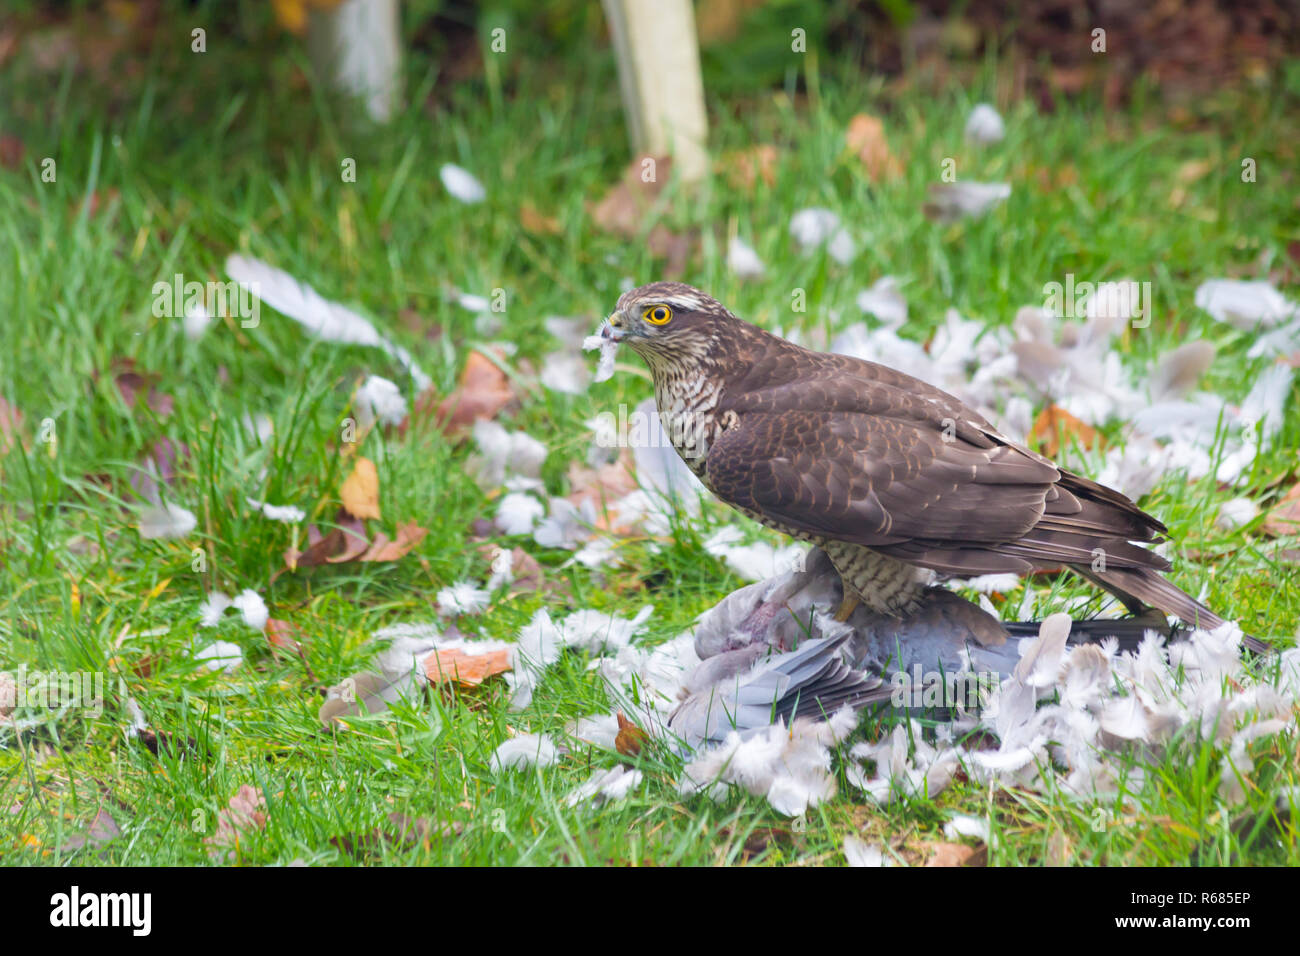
(615, 328)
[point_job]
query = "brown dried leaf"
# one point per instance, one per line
(366, 692)
(950, 854)
(1284, 518)
(382, 549)
(244, 813)
(743, 168)
(468, 670)
(132, 383)
(527, 573)
(280, 634)
(406, 832)
(535, 222)
(866, 138)
(483, 392)
(1055, 423)
(607, 483)
(630, 738)
(344, 543)
(602, 486)
(100, 830)
(360, 490)
(623, 210)
(675, 247)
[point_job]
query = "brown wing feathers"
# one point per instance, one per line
(859, 452)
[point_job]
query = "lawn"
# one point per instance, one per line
(173, 167)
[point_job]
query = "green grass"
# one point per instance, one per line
(202, 156)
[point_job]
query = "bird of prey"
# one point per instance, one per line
(897, 481)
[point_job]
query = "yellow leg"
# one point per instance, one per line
(847, 606)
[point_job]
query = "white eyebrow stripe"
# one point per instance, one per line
(687, 303)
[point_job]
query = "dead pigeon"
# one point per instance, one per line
(772, 651)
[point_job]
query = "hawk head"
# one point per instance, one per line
(668, 323)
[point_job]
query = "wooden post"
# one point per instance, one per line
(357, 46)
(659, 73)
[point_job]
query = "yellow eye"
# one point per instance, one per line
(657, 315)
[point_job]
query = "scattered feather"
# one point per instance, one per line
(462, 598)
(743, 261)
(252, 608)
(289, 514)
(166, 521)
(325, 319)
(220, 656)
(524, 751)
(984, 125)
(950, 202)
(379, 400)
(461, 183)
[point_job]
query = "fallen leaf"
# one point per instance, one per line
(625, 208)
(761, 839)
(1054, 424)
(533, 221)
(382, 549)
(405, 832)
(744, 168)
(719, 20)
(132, 383)
(675, 247)
(346, 542)
(156, 741)
(468, 670)
(630, 738)
(866, 138)
(100, 830)
(950, 854)
(525, 571)
(607, 483)
(366, 692)
(243, 814)
(1192, 170)
(280, 634)
(602, 486)
(360, 490)
(1284, 518)
(483, 392)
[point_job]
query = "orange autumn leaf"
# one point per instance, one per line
(1284, 518)
(360, 490)
(482, 393)
(744, 168)
(602, 487)
(382, 549)
(1054, 423)
(624, 208)
(630, 739)
(468, 670)
(950, 854)
(536, 222)
(865, 137)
